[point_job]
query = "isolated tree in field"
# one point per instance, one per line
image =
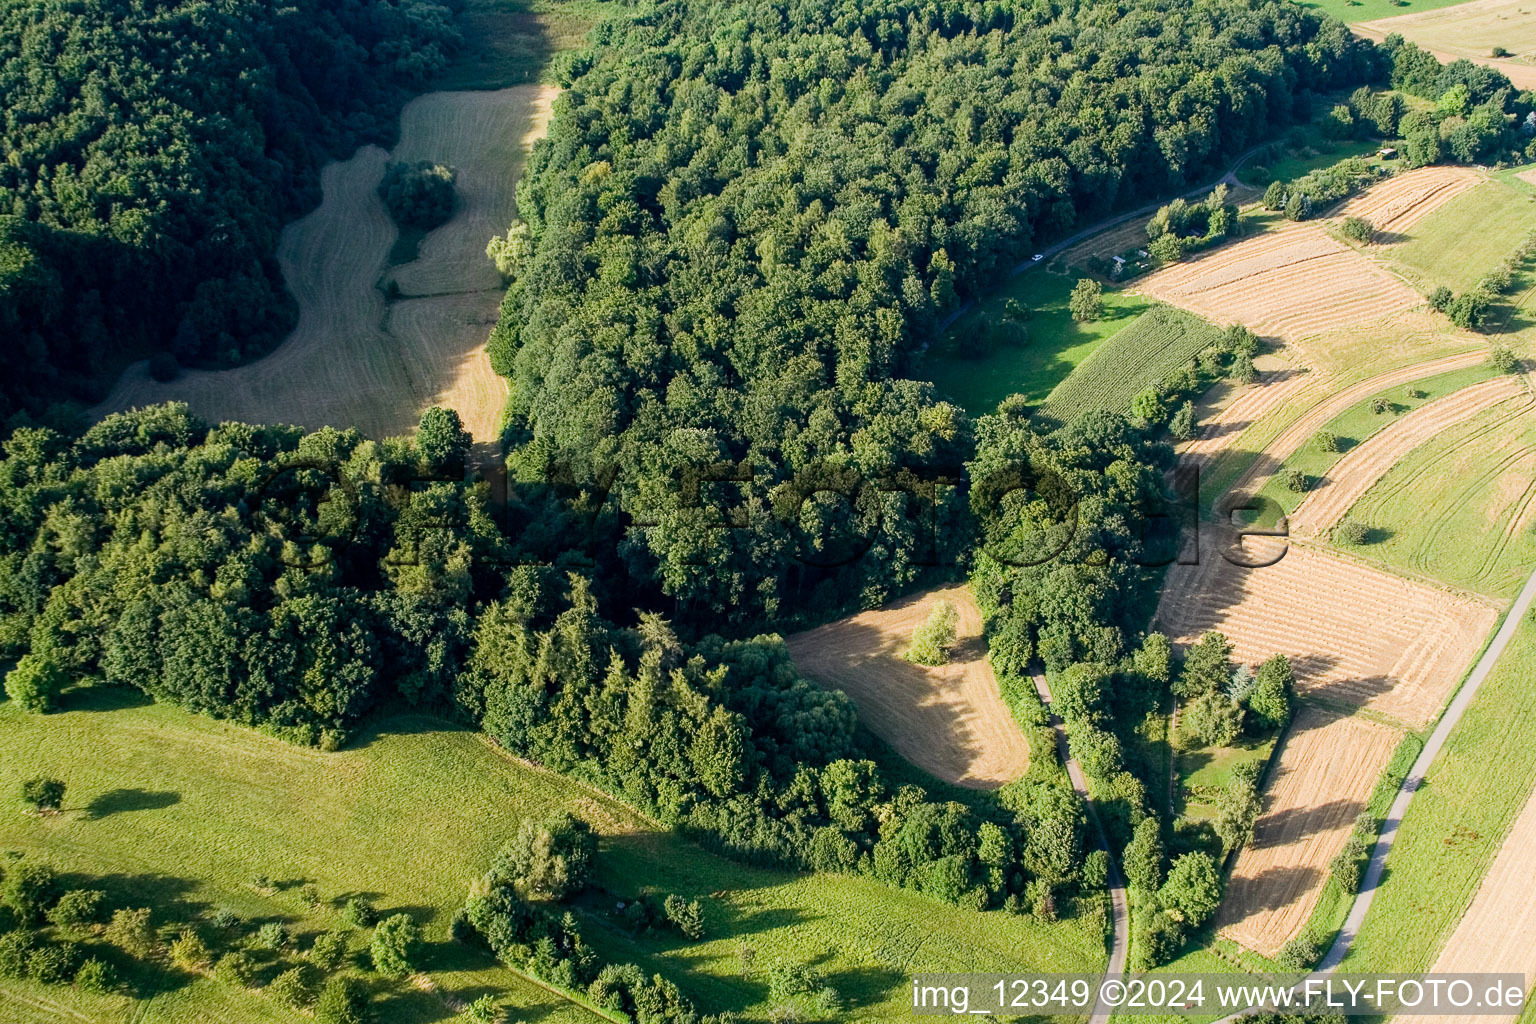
(327, 951)
(1297, 481)
(130, 932)
(290, 989)
(442, 440)
(1327, 441)
(96, 977)
(551, 859)
(1270, 703)
(687, 915)
(418, 195)
(1440, 298)
(394, 946)
(932, 641)
(1300, 954)
(35, 682)
(29, 889)
(343, 1001)
(1087, 300)
(44, 794)
(1502, 359)
(78, 909)
(1143, 856)
(1358, 229)
(359, 913)
(1193, 888)
(1352, 531)
(1207, 667)
(1213, 719)
(190, 952)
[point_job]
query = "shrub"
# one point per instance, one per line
(1352, 531)
(785, 981)
(1182, 425)
(78, 909)
(226, 918)
(394, 946)
(190, 952)
(687, 915)
(482, 1011)
(931, 641)
(1096, 869)
(1297, 481)
(130, 932)
(1358, 229)
(1502, 359)
(271, 935)
(328, 950)
(1300, 954)
(359, 913)
(53, 964)
(29, 888)
(1193, 888)
(310, 894)
(44, 794)
(15, 947)
(1440, 298)
(418, 195)
(1327, 441)
(344, 1001)
(1380, 405)
(290, 988)
(1499, 51)
(235, 969)
(96, 976)
(35, 682)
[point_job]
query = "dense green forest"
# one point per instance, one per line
(746, 217)
(153, 152)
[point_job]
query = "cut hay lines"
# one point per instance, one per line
(1354, 474)
(1156, 344)
(1471, 31)
(949, 720)
(1401, 201)
(1324, 773)
(356, 360)
(1498, 931)
(1355, 635)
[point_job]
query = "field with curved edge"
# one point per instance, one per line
(1471, 31)
(179, 812)
(1460, 508)
(949, 720)
(1466, 238)
(1325, 771)
(361, 359)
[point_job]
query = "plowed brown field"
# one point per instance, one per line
(1354, 474)
(949, 720)
(356, 360)
(1354, 635)
(1326, 770)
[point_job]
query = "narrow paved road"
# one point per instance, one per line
(1373, 872)
(1120, 916)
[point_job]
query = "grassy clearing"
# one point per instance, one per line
(179, 812)
(1458, 508)
(1350, 11)
(1294, 161)
(1203, 771)
(1456, 823)
(1157, 344)
(1360, 422)
(1462, 241)
(510, 42)
(1057, 344)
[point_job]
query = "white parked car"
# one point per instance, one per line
(1037, 257)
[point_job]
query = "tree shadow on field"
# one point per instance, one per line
(1295, 823)
(1277, 888)
(102, 697)
(124, 801)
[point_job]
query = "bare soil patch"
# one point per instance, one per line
(357, 359)
(1326, 769)
(1357, 471)
(1355, 635)
(950, 719)
(1498, 931)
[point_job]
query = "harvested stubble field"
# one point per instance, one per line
(1327, 766)
(1354, 474)
(1295, 280)
(1355, 635)
(949, 720)
(355, 359)
(1498, 931)
(1470, 30)
(1461, 508)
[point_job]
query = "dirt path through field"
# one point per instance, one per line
(1357, 471)
(949, 720)
(355, 359)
